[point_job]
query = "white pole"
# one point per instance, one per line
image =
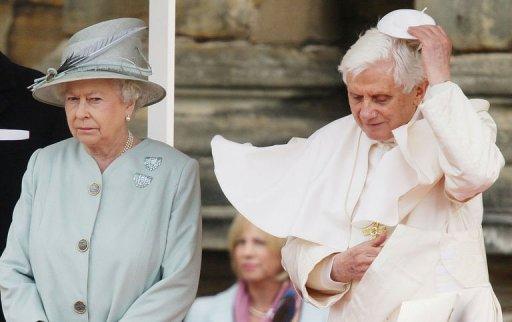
(161, 58)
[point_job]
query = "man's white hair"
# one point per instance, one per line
(375, 46)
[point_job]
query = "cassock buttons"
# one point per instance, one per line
(79, 307)
(83, 245)
(94, 189)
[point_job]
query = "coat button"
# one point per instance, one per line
(94, 189)
(83, 245)
(79, 307)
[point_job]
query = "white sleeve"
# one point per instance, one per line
(466, 134)
(309, 265)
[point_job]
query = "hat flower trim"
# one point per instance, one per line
(50, 74)
(75, 62)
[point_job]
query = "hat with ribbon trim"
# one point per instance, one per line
(110, 49)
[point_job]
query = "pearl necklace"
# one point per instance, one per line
(129, 143)
(259, 314)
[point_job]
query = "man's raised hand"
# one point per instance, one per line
(436, 52)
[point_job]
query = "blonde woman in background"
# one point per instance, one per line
(263, 291)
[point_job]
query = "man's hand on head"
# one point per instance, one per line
(436, 52)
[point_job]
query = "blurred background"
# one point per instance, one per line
(263, 71)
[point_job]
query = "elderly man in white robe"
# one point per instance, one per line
(382, 208)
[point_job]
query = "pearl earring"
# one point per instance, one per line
(128, 118)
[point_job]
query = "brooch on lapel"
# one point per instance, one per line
(142, 180)
(152, 163)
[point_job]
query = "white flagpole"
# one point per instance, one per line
(161, 58)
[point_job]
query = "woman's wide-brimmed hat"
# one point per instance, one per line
(111, 49)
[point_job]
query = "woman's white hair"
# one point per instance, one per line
(375, 46)
(131, 92)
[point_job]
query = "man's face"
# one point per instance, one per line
(378, 104)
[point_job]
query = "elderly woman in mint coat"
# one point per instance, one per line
(107, 227)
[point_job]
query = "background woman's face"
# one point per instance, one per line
(253, 259)
(95, 111)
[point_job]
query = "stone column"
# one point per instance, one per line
(79, 14)
(473, 25)
(6, 19)
(35, 31)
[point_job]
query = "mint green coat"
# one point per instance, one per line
(119, 246)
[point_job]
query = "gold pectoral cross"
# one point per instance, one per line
(374, 229)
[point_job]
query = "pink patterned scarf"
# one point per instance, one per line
(242, 302)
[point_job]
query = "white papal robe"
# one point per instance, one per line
(425, 186)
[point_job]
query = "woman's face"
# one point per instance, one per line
(254, 261)
(95, 111)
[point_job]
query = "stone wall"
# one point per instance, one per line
(474, 25)
(265, 70)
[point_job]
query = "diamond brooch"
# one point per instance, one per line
(152, 163)
(141, 180)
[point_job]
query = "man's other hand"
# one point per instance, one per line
(350, 265)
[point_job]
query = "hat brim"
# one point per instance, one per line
(53, 94)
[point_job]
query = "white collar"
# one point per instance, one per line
(391, 143)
